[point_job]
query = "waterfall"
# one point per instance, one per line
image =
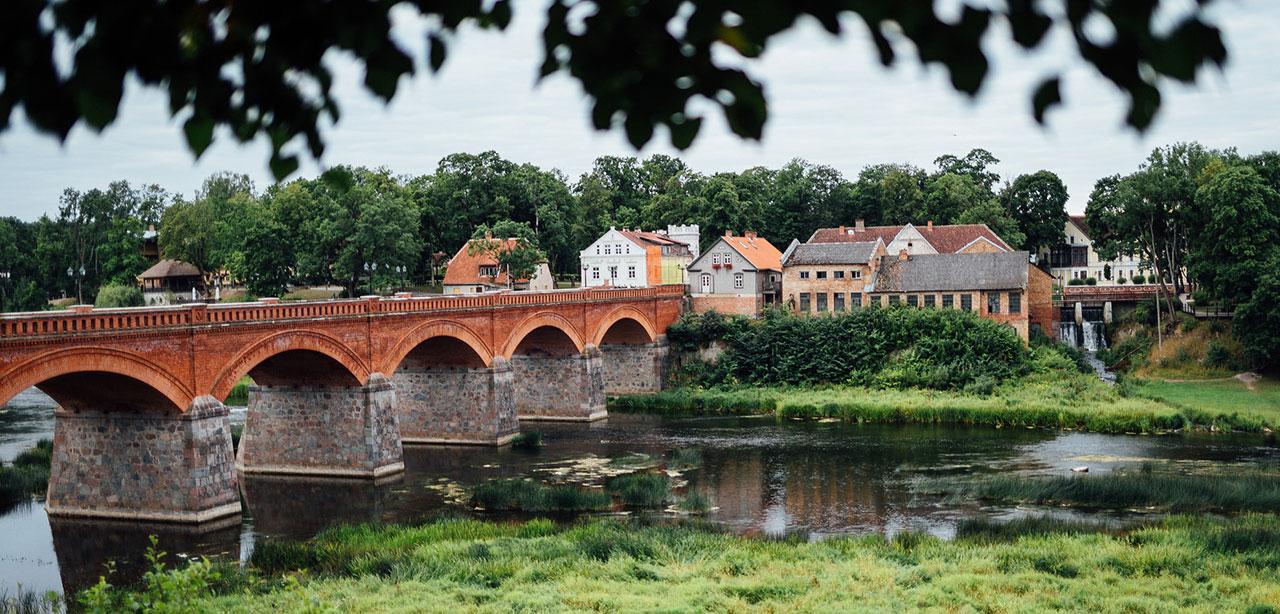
(1095, 336)
(1069, 333)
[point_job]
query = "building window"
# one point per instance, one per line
(838, 297)
(1079, 256)
(1015, 302)
(913, 300)
(804, 302)
(489, 271)
(966, 302)
(822, 274)
(838, 274)
(948, 301)
(595, 272)
(608, 249)
(804, 275)
(738, 281)
(597, 250)
(631, 271)
(929, 300)
(993, 302)
(855, 299)
(715, 258)
(822, 301)
(894, 299)
(855, 274)
(613, 272)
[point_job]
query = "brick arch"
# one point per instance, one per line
(428, 331)
(95, 359)
(625, 312)
(282, 342)
(536, 321)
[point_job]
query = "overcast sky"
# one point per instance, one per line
(830, 103)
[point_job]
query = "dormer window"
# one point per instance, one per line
(489, 271)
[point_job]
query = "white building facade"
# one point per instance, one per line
(1076, 259)
(638, 259)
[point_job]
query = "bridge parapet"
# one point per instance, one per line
(43, 323)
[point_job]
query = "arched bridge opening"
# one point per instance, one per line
(633, 356)
(448, 390)
(556, 376)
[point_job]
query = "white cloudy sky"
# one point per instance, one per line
(830, 102)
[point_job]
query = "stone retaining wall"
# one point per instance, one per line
(457, 404)
(144, 466)
(632, 369)
(334, 431)
(560, 387)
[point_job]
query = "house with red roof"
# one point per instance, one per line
(630, 258)
(472, 273)
(737, 274)
(929, 239)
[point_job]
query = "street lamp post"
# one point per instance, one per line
(71, 273)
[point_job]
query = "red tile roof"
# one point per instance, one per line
(947, 239)
(757, 250)
(642, 237)
(464, 269)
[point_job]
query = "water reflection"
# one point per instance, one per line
(764, 477)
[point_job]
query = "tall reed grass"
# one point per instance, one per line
(1239, 492)
(27, 476)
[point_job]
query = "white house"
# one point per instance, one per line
(638, 259)
(1076, 259)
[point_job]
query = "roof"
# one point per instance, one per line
(170, 268)
(1080, 223)
(946, 239)
(464, 268)
(942, 272)
(832, 253)
(643, 238)
(757, 251)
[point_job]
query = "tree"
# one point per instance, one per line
(643, 65)
(997, 218)
(803, 198)
(902, 196)
(976, 165)
(1039, 203)
(513, 244)
(1257, 321)
(948, 195)
(1229, 253)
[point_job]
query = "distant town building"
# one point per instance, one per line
(639, 259)
(737, 274)
(1003, 286)
(1076, 259)
(481, 272)
(171, 281)
(151, 244)
(931, 239)
(821, 277)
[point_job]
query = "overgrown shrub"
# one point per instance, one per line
(119, 295)
(1138, 279)
(1075, 281)
(527, 441)
(1188, 324)
(1091, 281)
(1217, 355)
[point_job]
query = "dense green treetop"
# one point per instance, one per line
(1038, 202)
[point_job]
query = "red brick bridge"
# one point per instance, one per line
(141, 431)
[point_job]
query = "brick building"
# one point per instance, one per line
(819, 277)
(1000, 286)
(737, 274)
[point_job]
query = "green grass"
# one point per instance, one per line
(239, 396)
(1180, 564)
(511, 495)
(27, 475)
(1228, 400)
(528, 441)
(641, 490)
(1055, 397)
(1250, 491)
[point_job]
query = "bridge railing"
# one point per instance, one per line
(83, 319)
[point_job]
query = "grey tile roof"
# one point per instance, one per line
(941, 272)
(831, 253)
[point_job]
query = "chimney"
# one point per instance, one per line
(902, 256)
(488, 235)
(860, 225)
(750, 234)
(842, 229)
(930, 228)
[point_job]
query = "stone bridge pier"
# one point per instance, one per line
(308, 415)
(555, 379)
(633, 364)
(449, 393)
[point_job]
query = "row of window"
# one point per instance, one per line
(613, 272)
(833, 274)
(721, 259)
(837, 301)
(613, 248)
(708, 282)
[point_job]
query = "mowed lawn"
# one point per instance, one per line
(1226, 396)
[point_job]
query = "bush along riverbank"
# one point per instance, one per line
(996, 381)
(1184, 563)
(26, 476)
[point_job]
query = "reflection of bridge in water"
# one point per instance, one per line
(141, 432)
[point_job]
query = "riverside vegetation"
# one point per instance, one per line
(27, 475)
(911, 365)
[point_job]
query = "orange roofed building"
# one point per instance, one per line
(472, 274)
(929, 239)
(737, 274)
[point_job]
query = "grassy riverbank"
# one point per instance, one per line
(27, 475)
(462, 565)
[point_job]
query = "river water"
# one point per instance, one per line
(763, 476)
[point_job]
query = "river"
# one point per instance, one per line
(763, 476)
